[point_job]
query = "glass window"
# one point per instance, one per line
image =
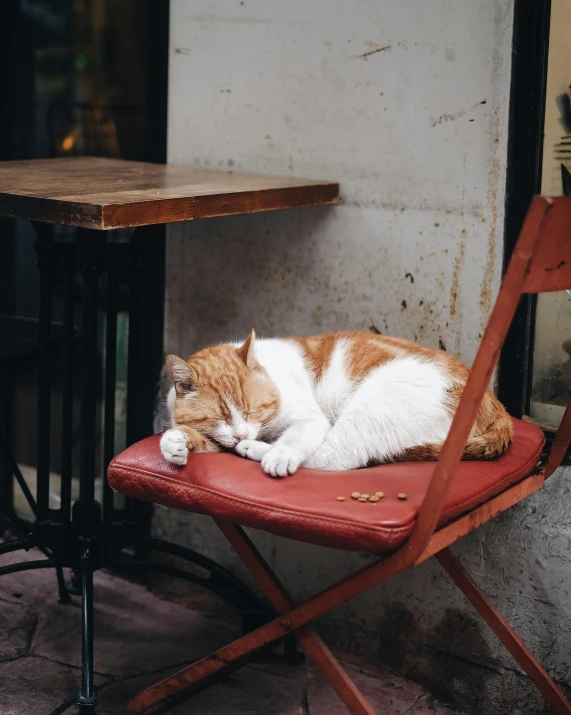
(551, 376)
(87, 94)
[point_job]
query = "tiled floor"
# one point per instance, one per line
(139, 639)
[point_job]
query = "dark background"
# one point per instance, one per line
(77, 77)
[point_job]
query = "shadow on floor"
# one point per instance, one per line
(140, 638)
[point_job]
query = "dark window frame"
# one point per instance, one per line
(525, 154)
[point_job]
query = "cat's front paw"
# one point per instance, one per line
(253, 449)
(281, 461)
(174, 447)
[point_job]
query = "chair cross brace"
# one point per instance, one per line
(163, 696)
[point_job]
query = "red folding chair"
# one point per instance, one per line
(446, 499)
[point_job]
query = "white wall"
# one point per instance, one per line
(415, 133)
(406, 105)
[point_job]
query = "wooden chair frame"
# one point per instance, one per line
(541, 262)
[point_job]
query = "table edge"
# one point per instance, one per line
(106, 217)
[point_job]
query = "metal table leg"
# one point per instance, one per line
(87, 696)
(87, 535)
(92, 248)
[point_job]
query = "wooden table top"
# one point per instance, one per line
(112, 193)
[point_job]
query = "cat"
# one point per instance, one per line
(337, 401)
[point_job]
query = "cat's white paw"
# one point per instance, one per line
(253, 449)
(281, 461)
(174, 447)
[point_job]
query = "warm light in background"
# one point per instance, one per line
(68, 142)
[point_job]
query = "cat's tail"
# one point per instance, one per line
(489, 445)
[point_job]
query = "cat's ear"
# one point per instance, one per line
(247, 350)
(179, 370)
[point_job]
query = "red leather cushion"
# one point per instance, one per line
(304, 506)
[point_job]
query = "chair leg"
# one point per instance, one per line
(505, 633)
(164, 695)
(283, 602)
(205, 671)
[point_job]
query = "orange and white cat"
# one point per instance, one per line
(336, 401)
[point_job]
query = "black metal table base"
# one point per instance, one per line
(86, 697)
(253, 610)
(95, 276)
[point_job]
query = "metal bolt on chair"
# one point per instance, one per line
(447, 499)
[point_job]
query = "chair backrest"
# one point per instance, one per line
(541, 262)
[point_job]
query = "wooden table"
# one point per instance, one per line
(110, 193)
(98, 269)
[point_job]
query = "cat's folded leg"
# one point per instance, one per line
(351, 441)
(329, 458)
(176, 443)
(297, 443)
(253, 449)
(344, 447)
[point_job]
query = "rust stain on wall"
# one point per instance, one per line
(456, 277)
(486, 286)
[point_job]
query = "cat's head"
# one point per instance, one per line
(223, 392)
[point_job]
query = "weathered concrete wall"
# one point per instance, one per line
(405, 104)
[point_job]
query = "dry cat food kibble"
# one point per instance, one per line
(377, 496)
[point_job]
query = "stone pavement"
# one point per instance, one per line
(141, 638)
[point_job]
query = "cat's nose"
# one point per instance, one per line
(240, 435)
